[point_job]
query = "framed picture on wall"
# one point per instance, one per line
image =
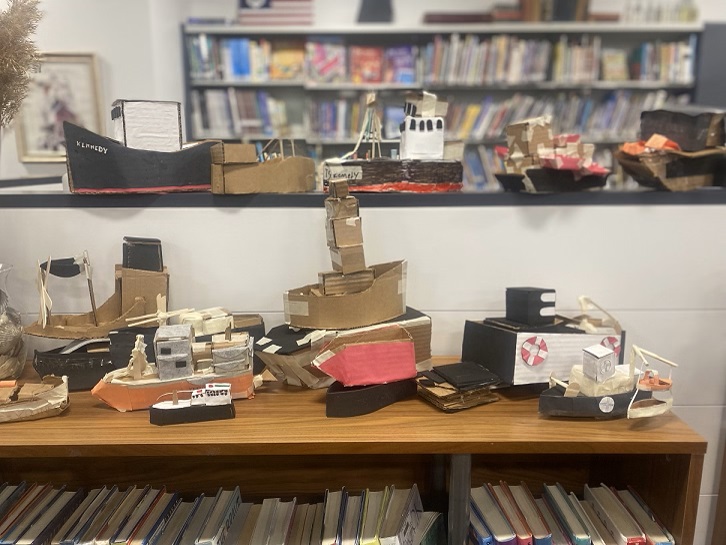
(66, 88)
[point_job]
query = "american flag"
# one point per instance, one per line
(275, 12)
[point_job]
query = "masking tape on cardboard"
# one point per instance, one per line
(548, 297)
(272, 349)
(336, 258)
(263, 341)
(404, 277)
(352, 222)
(333, 171)
(322, 358)
(296, 308)
(312, 337)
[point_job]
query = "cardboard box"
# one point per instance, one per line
(384, 300)
(335, 283)
(153, 125)
(235, 170)
(348, 259)
(138, 283)
(531, 306)
(528, 355)
(338, 189)
(346, 207)
(344, 232)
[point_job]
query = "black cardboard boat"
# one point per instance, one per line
(84, 362)
(98, 165)
(552, 402)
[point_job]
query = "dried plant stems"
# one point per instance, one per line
(18, 54)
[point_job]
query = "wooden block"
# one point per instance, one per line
(349, 259)
(335, 283)
(338, 188)
(347, 207)
(344, 232)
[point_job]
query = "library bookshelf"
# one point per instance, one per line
(282, 445)
(490, 73)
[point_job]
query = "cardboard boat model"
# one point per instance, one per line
(289, 352)
(243, 169)
(181, 364)
(141, 281)
(596, 389)
(31, 401)
(681, 148)
(532, 342)
(146, 154)
(427, 164)
(352, 295)
(126, 302)
(212, 402)
(538, 162)
(650, 382)
(84, 362)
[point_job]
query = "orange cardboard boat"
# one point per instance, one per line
(123, 393)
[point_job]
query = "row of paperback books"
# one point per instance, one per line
(331, 61)
(34, 514)
(233, 113)
(504, 513)
(507, 59)
(616, 116)
(455, 60)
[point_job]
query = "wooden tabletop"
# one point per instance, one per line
(287, 420)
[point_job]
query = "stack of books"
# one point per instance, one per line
(35, 514)
(504, 513)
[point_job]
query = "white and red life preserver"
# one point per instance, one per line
(534, 351)
(613, 343)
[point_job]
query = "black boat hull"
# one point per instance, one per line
(196, 413)
(83, 369)
(97, 164)
(552, 402)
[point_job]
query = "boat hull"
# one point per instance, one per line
(129, 395)
(552, 402)
(97, 164)
(83, 369)
(194, 413)
(548, 180)
(384, 300)
(81, 326)
(395, 175)
(43, 404)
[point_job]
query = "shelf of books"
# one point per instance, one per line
(282, 445)
(592, 79)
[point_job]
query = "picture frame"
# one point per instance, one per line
(66, 88)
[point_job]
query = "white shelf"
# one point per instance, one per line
(484, 28)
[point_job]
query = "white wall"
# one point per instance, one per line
(671, 299)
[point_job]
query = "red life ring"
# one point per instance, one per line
(534, 351)
(613, 343)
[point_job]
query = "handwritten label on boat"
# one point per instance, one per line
(351, 173)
